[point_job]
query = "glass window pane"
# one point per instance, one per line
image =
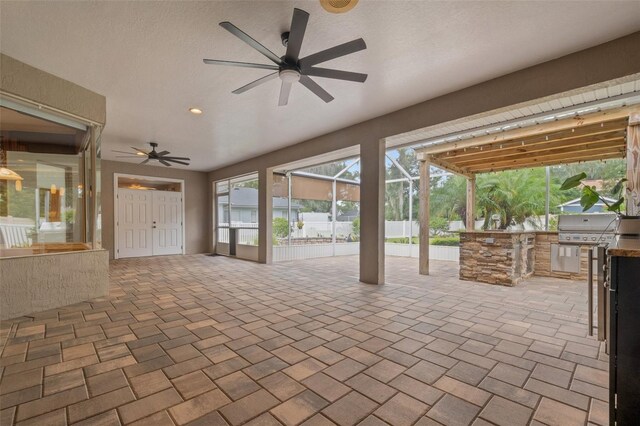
(42, 201)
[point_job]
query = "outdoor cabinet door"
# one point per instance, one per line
(167, 222)
(134, 223)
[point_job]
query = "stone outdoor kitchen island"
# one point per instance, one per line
(497, 257)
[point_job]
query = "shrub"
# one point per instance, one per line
(356, 226)
(438, 226)
(445, 241)
(280, 227)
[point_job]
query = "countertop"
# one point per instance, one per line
(624, 248)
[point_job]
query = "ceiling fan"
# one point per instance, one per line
(290, 68)
(162, 156)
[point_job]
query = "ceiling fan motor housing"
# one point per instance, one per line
(285, 38)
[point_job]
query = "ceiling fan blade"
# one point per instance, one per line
(285, 89)
(179, 162)
(140, 150)
(315, 88)
(124, 152)
(255, 83)
(239, 64)
(164, 153)
(164, 162)
(250, 41)
(145, 161)
(129, 156)
(332, 53)
(337, 74)
(296, 35)
(176, 158)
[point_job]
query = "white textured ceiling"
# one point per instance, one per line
(146, 58)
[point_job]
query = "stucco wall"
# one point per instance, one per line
(598, 66)
(196, 203)
(38, 283)
(25, 81)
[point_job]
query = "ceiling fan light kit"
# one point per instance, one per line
(290, 68)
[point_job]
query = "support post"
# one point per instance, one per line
(410, 215)
(547, 198)
(425, 189)
(633, 165)
(289, 186)
(372, 188)
(470, 223)
(334, 212)
(265, 215)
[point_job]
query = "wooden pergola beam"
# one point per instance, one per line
(540, 129)
(633, 165)
(574, 159)
(561, 154)
(470, 223)
(451, 168)
(540, 141)
(575, 145)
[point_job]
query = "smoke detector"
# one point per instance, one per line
(338, 6)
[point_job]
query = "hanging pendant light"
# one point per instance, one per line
(8, 174)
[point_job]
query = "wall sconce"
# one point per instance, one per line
(8, 174)
(53, 188)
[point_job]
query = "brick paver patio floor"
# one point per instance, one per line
(214, 341)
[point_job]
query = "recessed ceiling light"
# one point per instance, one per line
(196, 111)
(338, 6)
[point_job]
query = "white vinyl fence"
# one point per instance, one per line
(401, 228)
(311, 251)
(450, 253)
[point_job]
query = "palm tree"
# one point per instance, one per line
(517, 196)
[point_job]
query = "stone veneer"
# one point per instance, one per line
(496, 257)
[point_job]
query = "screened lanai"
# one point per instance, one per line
(316, 210)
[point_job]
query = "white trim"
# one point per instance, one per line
(156, 178)
(45, 112)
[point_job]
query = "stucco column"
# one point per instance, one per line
(265, 215)
(633, 165)
(423, 217)
(372, 187)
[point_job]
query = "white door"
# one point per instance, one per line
(167, 222)
(134, 223)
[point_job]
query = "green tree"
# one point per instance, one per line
(397, 193)
(448, 198)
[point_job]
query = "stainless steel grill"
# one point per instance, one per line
(586, 229)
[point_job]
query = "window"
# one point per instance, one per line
(45, 171)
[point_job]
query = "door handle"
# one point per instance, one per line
(154, 227)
